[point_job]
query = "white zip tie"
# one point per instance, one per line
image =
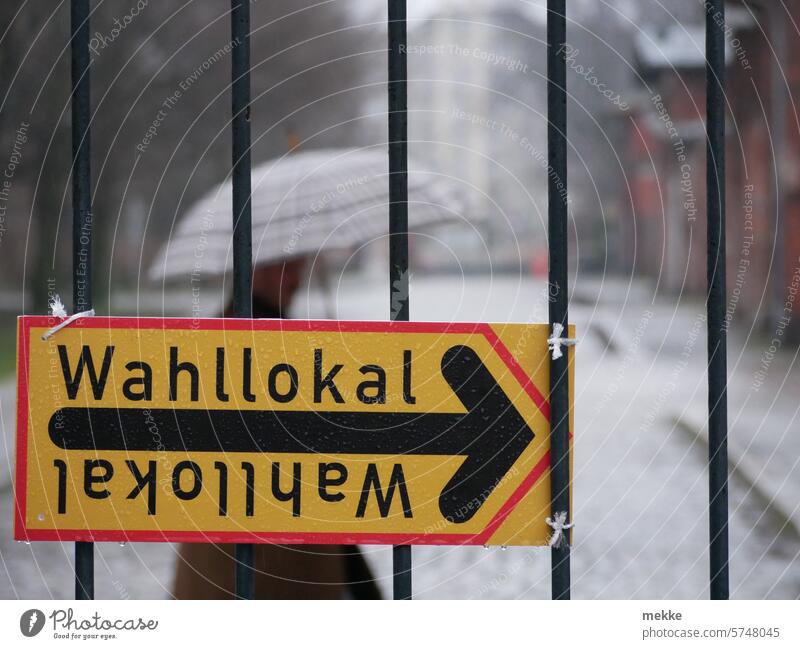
(555, 341)
(57, 308)
(58, 311)
(559, 525)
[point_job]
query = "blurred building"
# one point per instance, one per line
(666, 151)
(477, 98)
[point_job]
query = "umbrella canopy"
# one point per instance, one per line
(304, 203)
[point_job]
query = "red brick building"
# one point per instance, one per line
(665, 148)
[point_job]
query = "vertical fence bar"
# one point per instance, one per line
(81, 222)
(717, 342)
(398, 219)
(242, 219)
(558, 307)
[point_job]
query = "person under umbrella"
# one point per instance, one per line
(302, 204)
(206, 571)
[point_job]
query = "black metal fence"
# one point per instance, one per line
(398, 260)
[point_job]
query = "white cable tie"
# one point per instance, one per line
(560, 524)
(57, 310)
(555, 341)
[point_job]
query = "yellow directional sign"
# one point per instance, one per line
(282, 431)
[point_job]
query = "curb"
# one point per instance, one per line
(745, 470)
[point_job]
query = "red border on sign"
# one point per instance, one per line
(21, 532)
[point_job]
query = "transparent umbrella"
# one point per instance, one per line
(305, 203)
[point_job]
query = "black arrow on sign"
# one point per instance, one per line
(491, 433)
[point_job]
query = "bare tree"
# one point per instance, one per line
(160, 126)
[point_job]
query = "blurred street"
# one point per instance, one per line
(640, 487)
